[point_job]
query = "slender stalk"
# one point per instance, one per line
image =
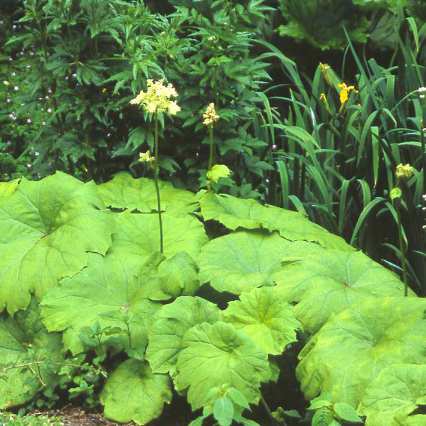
(402, 249)
(269, 413)
(157, 188)
(211, 153)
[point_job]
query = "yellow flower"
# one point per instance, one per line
(145, 157)
(325, 71)
(158, 98)
(345, 90)
(404, 171)
(104, 90)
(210, 116)
(217, 172)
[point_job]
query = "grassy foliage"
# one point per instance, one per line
(337, 161)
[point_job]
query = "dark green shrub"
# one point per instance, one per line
(321, 22)
(77, 64)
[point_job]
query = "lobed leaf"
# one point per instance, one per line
(46, 229)
(111, 294)
(134, 393)
(29, 358)
(244, 260)
(169, 327)
(326, 283)
(237, 213)
(126, 192)
(352, 348)
(266, 317)
(217, 355)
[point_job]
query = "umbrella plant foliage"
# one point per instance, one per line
(237, 285)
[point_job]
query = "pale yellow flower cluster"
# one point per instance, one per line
(158, 98)
(404, 171)
(146, 157)
(210, 116)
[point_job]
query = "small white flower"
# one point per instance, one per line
(6, 83)
(49, 110)
(29, 121)
(16, 88)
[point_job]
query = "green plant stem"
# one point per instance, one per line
(402, 250)
(423, 145)
(157, 188)
(211, 153)
(269, 413)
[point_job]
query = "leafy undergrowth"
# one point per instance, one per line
(94, 312)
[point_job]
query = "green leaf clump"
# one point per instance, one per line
(214, 318)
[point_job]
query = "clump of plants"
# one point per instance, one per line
(209, 318)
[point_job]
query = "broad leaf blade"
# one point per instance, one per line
(134, 393)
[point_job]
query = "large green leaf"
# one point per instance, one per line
(237, 213)
(125, 192)
(244, 260)
(109, 293)
(266, 317)
(138, 235)
(217, 355)
(327, 283)
(394, 395)
(175, 276)
(46, 230)
(29, 358)
(8, 188)
(170, 325)
(352, 348)
(134, 393)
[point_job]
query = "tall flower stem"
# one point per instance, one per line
(157, 188)
(211, 153)
(402, 246)
(211, 143)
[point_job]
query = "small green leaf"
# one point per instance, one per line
(238, 398)
(346, 412)
(134, 393)
(223, 411)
